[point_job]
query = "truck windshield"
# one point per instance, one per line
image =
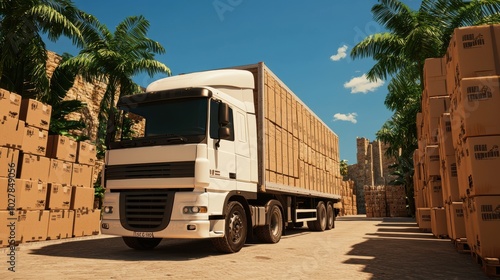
(166, 122)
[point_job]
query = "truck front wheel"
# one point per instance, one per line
(271, 233)
(235, 233)
(141, 243)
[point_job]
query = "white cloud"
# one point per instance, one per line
(341, 53)
(362, 84)
(349, 117)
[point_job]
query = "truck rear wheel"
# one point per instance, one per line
(141, 243)
(330, 216)
(235, 232)
(271, 233)
(320, 223)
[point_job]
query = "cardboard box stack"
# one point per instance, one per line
(385, 201)
(429, 185)
(301, 151)
(41, 190)
(348, 203)
(475, 92)
(467, 136)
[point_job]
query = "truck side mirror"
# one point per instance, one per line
(224, 133)
(223, 114)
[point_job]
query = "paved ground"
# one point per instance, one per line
(358, 248)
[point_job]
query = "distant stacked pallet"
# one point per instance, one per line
(385, 201)
(348, 202)
(301, 150)
(467, 135)
(49, 179)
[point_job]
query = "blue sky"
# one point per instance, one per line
(306, 44)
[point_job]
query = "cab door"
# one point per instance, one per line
(222, 155)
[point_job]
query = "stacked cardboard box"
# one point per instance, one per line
(42, 191)
(396, 201)
(385, 201)
(428, 180)
(424, 218)
(475, 93)
(348, 203)
(375, 201)
(439, 225)
(301, 151)
(468, 138)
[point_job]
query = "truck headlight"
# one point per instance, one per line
(108, 209)
(194, 209)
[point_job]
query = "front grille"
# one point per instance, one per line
(146, 210)
(150, 170)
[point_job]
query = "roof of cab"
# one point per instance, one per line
(213, 78)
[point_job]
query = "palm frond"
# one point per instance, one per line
(394, 15)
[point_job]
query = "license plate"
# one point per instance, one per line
(144, 234)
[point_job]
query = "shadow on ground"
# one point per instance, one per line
(399, 250)
(113, 248)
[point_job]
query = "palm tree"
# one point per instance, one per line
(344, 167)
(115, 58)
(23, 54)
(413, 36)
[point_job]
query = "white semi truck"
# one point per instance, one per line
(222, 154)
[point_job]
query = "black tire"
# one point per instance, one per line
(235, 232)
(320, 223)
(330, 216)
(141, 243)
(271, 233)
(311, 225)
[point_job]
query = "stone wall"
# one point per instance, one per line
(89, 93)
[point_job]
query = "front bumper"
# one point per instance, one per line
(175, 229)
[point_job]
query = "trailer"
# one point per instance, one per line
(222, 154)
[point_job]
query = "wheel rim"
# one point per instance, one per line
(236, 227)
